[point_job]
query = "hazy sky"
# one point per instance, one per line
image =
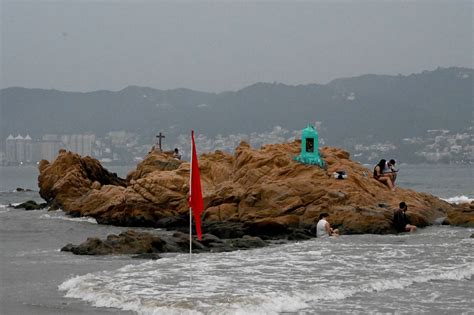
(216, 46)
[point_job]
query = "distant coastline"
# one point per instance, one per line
(418, 118)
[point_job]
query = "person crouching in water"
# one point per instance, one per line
(381, 177)
(401, 221)
(323, 228)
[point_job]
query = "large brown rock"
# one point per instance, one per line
(462, 215)
(264, 189)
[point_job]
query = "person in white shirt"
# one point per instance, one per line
(323, 228)
(176, 154)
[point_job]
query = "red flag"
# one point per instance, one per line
(195, 193)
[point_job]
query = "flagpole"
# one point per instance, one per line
(190, 248)
(190, 216)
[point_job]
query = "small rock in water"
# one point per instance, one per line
(67, 248)
(31, 205)
(19, 189)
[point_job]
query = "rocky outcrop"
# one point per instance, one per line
(142, 243)
(263, 192)
(461, 215)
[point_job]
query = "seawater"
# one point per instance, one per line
(429, 272)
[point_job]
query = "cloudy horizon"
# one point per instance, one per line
(215, 47)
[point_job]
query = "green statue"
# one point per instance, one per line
(309, 147)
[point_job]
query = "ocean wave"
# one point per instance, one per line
(8, 191)
(37, 252)
(13, 204)
(458, 199)
(126, 290)
(16, 191)
(464, 272)
(7, 208)
(60, 215)
(4, 208)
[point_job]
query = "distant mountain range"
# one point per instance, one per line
(381, 107)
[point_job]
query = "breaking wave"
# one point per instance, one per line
(459, 199)
(60, 215)
(4, 208)
(101, 292)
(286, 278)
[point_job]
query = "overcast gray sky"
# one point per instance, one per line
(211, 46)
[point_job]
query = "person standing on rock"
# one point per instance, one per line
(401, 221)
(323, 228)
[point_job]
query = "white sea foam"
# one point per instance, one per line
(270, 280)
(285, 278)
(88, 289)
(4, 208)
(7, 208)
(16, 191)
(37, 252)
(60, 215)
(459, 199)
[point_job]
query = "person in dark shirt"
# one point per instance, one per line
(401, 221)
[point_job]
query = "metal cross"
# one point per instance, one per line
(160, 136)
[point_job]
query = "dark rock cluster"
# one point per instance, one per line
(31, 205)
(150, 245)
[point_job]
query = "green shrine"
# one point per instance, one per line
(309, 147)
